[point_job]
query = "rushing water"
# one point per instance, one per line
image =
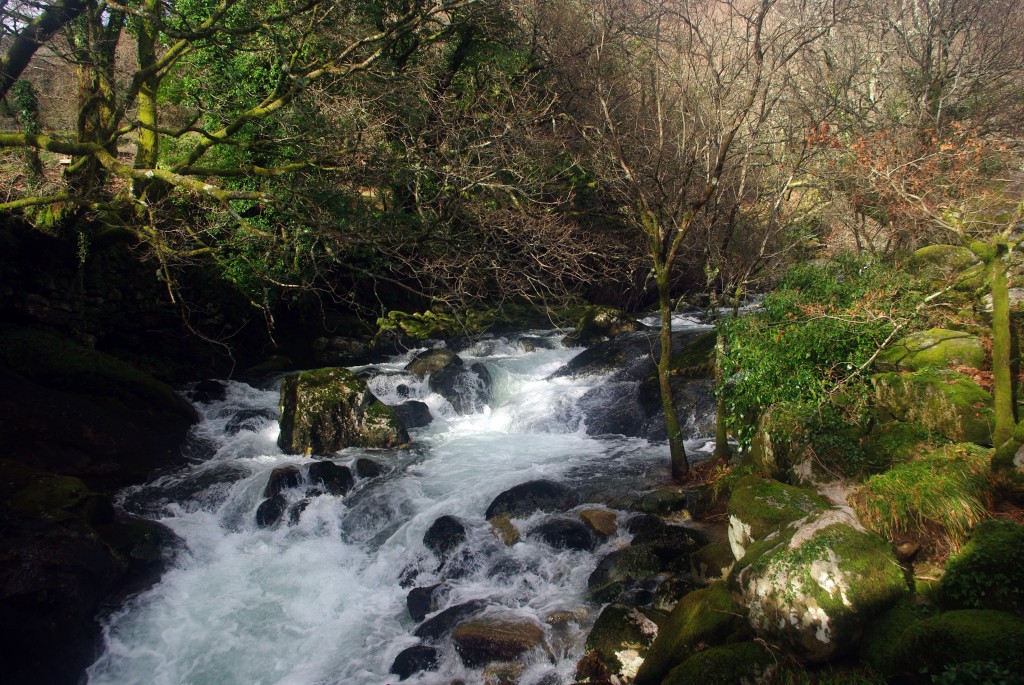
(320, 601)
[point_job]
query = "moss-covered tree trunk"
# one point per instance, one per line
(1002, 389)
(721, 434)
(677, 450)
(148, 150)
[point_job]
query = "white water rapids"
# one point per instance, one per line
(320, 601)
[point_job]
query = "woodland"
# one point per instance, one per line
(206, 188)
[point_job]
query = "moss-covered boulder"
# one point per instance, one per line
(622, 570)
(987, 640)
(432, 361)
(703, 617)
(937, 348)
(896, 442)
(942, 264)
(781, 448)
(711, 562)
(325, 410)
(942, 401)
(617, 644)
(815, 586)
(759, 506)
(878, 646)
(988, 573)
(740, 663)
(601, 323)
(480, 641)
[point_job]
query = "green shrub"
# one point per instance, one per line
(813, 333)
(946, 488)
(431, 324)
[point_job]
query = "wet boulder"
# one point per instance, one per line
(252, 420)
(336, 480)
(600, 521)
(504, 529)
(816, 585)
(282, 478)
(421, 601)
(621, 571)
(491, 638)
(533, 496)
(444, 623)
(208, 391)
(564, 533)
(468, 389)
(444, 536)
(616, 645)
(368, 468)
(413, 413)
(672, 544)
(325, 410)
(271, 511)
(432, 361)
(601, 323)
(412, 660)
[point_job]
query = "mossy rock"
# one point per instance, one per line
(988, 573)
(325, 410)
(878, 646)
(941, 401)
(618, 642)
(432, 361)
(815, 586)
(937, 645)
(601, 323)
(937, 348)
(896, 442)
(941, 263)
(51, 497)
(781, 447)
(58, 363)
(711, 562)
(621, 570)
(741, 663)
(703, 617)
(759, 506)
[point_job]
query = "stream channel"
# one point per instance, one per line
(320, 598)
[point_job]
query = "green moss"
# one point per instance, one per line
(932, 646)
(618, 628)
(708, 562)
(741, 662)
(941, 401)
(706, 616)
(57, 363)
(55, 498)
(767, 505)
(946, 489)
(878, 646)
(988, 573)
(598, 323)
(937, 348)
(896, 442)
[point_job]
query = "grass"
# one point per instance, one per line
(946, 489)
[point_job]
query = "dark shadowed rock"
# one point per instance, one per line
(368, 468)
(432, 361)
(414, 414)
(443, 624)
(444, 535)
(336, 480)
(281, 478)
(249, 420)
(271, 511)
(421, 601)
(601, 323)
(565, 534)
(622, 570)
(412, 660)
(672, 544)
(208, 391)
(295, 511)
(536, 495)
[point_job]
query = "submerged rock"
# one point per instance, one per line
(271, 511)
(444, 535)
(326, 410)
(505, 530)
(412, 660)
(414, 414)
(468, 389)
(530, 497)
(421, 601)
(368, 468)
(249, 420)
(483, 640)
(444, 623)
(281, 478)
(336, 480)
(565, 534)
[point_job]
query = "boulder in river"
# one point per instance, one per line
(444, 535)
(413, 413)
(249, 420)
(617, 644)
(444, 623)
(565, 533)
(421, 601)
(432, 361)
(412, 660)
(271, 510)
(368, 468)
(530, 497)
(601, 323)
(467, 388)
(491, 638)
(325, 410)
(335, 479)
(622, 570)
(281, 478)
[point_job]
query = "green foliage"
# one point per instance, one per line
(978, 673)
(432, 324)
(945, 490)
(813, 333)
(989, 572)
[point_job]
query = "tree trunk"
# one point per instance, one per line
(148, 151)
(721, 435)
(680, 465)
(1001, 373)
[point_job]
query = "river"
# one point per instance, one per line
(321, 599)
